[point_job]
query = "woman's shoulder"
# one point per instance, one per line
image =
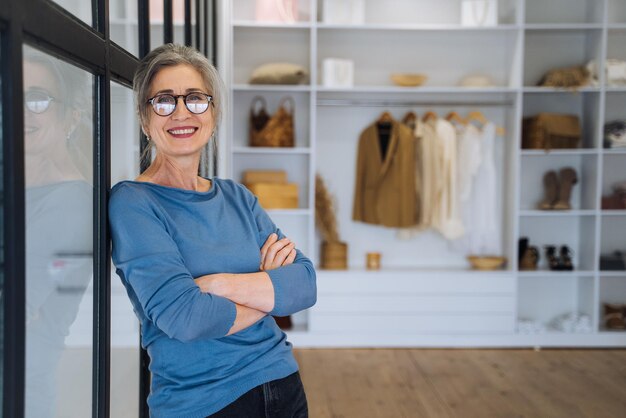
(128, 193)
(234, 191)
(230, 185)
(125, 187)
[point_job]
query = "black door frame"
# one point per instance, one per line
(45, 25)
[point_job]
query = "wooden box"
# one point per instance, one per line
(275, 195)
(264, 176)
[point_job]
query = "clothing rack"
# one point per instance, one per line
(398, 103)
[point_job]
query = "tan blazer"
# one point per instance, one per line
(384, 192)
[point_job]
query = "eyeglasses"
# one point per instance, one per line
(37, 101)
(165, 104)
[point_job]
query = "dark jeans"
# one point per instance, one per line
(282, 398)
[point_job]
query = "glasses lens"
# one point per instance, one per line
(164, 104)
(37, 101)
(197, 103)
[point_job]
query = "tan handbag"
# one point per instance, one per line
(551, 131)
(272, 131)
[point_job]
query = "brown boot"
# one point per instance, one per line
(551, 189)
(567, 180)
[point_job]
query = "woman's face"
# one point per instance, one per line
(181, 134)
(44, 132)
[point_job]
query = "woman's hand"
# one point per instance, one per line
(276, 253)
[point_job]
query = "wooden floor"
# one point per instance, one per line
(390, 383)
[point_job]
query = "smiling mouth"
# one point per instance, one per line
(30, 129)
(182, 132)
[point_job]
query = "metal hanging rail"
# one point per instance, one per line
(412, 103)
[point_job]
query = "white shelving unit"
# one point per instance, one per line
(425, 294)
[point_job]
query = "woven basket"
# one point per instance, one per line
(272, 131)
(334, 255)
(551, 131)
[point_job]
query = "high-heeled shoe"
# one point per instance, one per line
(566, 258)
(553, 261)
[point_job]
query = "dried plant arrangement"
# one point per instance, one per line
(325, 217)
(334, 254)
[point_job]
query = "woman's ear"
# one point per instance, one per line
(74, 120)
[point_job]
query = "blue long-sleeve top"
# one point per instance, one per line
(163, 238)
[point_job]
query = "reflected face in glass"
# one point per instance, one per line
(47, 121)
(181, 134)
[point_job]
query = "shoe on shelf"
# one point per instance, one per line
(566, 258)
(614, 316)
(530, 259)
(521, 248)
(567, 180)
(551, 190)
(553, 261)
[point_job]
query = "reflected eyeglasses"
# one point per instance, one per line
(37, 101)
(165, 104)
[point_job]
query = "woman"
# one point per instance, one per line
(203, 264)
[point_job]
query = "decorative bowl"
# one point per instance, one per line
(408, 79)
(486, 262)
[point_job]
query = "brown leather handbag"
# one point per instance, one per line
(276, 130)
(550, 131)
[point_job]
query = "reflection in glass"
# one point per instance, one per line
(124, 324)
(59, 204)
(79, 8)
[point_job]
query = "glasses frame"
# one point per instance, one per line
(176, 97)
(43, 94)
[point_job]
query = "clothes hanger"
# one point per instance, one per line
(478, 116)
(385, 118)
(409, 117)
(429, 115)
(455, 117)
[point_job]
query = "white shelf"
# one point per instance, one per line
(555, 273)
(554, 90)
(557, 213)
(562, 26)
(614, 151)
(607, 212)
(310, 339)
(418, 271)
(612, 273)
(412, 27)
(270, 25)
(557, 152)
(272, 87)
(616, 26)
(417, 90)
(271, 151)
(615, 89)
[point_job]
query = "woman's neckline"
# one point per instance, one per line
(178, 189)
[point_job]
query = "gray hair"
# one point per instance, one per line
(170, 55)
